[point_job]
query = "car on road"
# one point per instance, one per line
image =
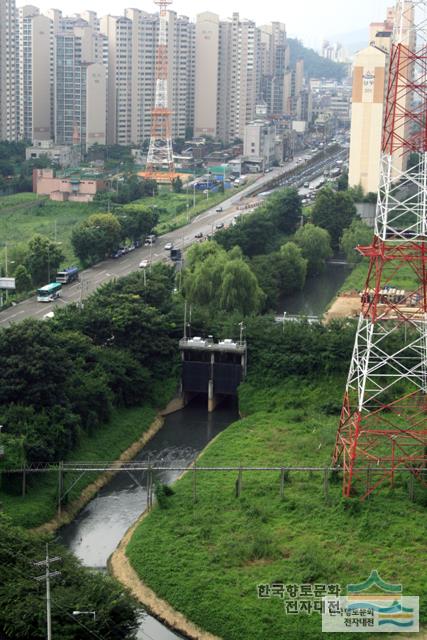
(199, 234)
(150, 240)
(306, 185)
(118, 253)
(168, 246)
(144, 264)
(219, 225)
(218, 209)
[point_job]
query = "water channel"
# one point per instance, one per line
(317, 293)
(97, 530)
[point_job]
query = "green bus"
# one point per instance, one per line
(49, 292)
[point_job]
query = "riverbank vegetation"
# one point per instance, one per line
(223, 545)
(65, 384)
(23, 599)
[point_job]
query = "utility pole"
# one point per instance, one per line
(47, 576)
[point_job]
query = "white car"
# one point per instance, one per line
(168, 246)
(144, 264)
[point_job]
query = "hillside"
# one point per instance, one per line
(315, 66)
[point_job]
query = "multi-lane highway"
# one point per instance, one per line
(93, 277)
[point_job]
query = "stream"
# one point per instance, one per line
(99, 527)
(317, 293)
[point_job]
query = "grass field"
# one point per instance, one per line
(405, 278)
(207, 557)
(24, 214)
(125, 427)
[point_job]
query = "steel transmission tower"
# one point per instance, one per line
(383, 425)
(160, 153)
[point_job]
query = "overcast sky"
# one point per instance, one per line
(310, 20)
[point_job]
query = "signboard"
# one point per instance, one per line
(7, 283)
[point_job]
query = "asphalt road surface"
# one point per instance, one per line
(93, 277)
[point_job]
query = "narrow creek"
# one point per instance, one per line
(317, 293)
(98, 529)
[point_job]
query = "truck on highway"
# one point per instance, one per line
(70, 274)
(176, 255)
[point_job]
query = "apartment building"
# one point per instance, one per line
(118, 30)
(226, 55)
(8, 70)
(274, 60)
(34, 86)
(79, 89)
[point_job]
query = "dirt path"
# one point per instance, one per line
(346, 305)
(71, 510)
(120, 567)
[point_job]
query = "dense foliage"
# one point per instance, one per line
(315, 244)
(333, 211)
(22, 598)
(261, 231)
(221, 280)
(358, 233)
(61, 378)
(314, 65)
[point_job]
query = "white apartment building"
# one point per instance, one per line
(8, 70)
(274, 60)
(226, 54)
(34, 88)
(145, 33)
(260, 146)
(80, 89)
(118, 30)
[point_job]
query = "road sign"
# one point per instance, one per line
(7, 283)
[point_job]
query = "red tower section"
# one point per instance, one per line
(383, 425)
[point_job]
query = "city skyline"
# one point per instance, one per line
(310, 21)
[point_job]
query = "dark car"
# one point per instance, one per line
(199, 234)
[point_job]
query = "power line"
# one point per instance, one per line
(46, 577)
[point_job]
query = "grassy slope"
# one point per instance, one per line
(124, 428)
(405, 278)
(208, 557)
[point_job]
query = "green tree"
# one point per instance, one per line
(21, 597)
(136, 222)
(254, 233)
(293, 268)
(240, 290)
(95, 238)
(22, 279)
(358, 233)
(342, 182)
(177, 185)
(334, 212)
(315, 245)
(221, 281)
(43, 259)
(284, 209)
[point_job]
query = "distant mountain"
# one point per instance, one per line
(314, 65)
(352, 41)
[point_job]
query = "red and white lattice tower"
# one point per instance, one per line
(160, 153)
(383, 425)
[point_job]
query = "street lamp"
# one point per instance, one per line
(89, 613)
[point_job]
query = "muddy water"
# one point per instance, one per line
(97, 530)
